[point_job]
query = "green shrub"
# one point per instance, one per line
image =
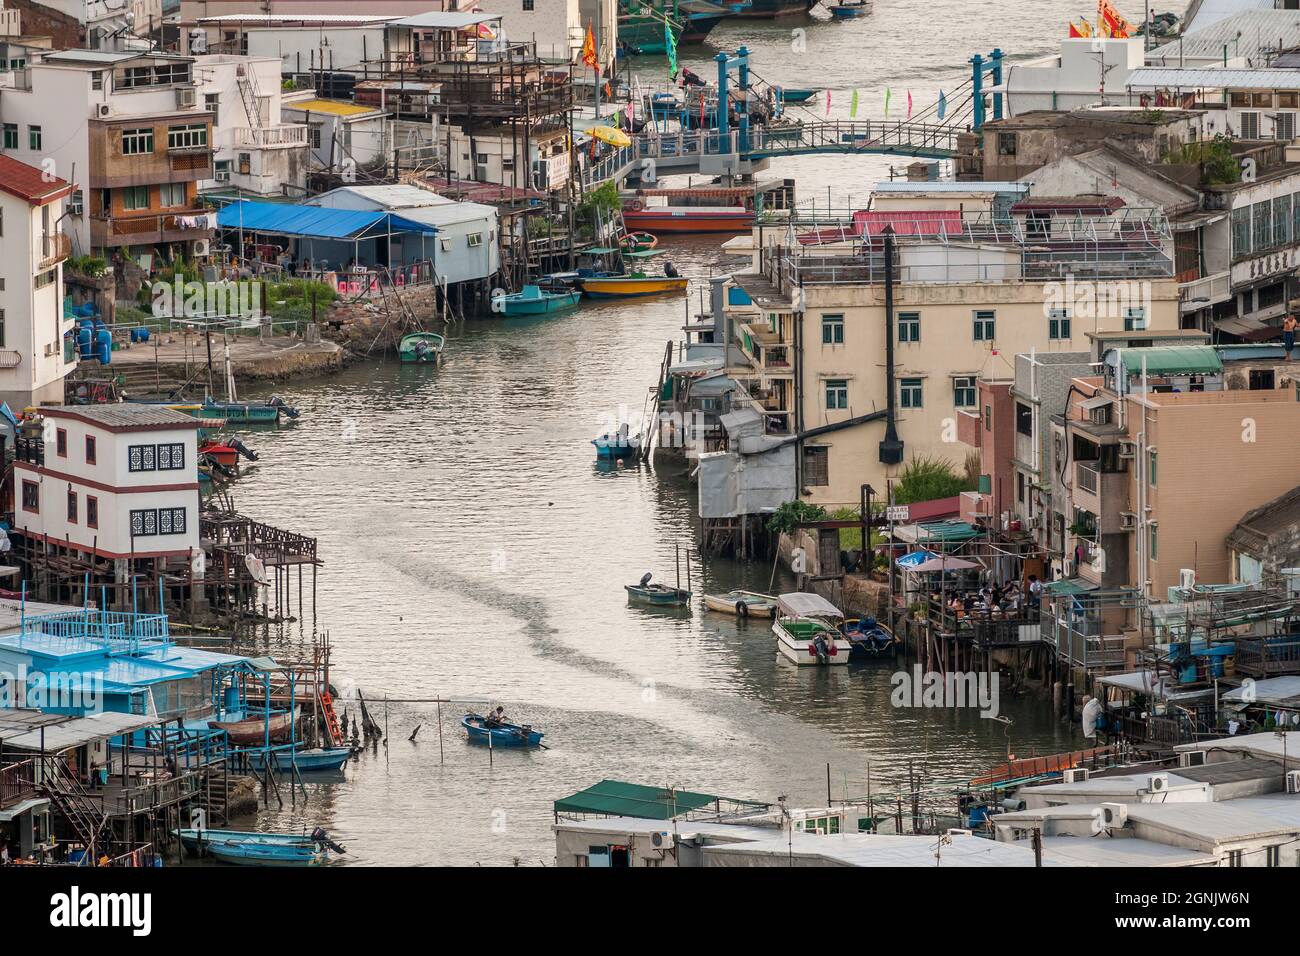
(924, 479)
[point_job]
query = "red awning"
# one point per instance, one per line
(921, 222)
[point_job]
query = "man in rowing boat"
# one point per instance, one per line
(496, 718)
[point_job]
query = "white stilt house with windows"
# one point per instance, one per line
(111, 486)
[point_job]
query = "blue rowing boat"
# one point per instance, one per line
(259, 853)
(796, 96)
(320, 758)
(500, 734)
(534, 300)
(850, 11)
(617, 445)
(658, 594)
(194, 839)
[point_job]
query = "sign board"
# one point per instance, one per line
(898, 512)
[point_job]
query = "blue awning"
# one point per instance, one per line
(315, 222)
(914, 558)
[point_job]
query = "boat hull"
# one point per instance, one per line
(626, 288)
(659, 597)
(255, 730)
(551, 305)
(195, 841)
(685, 221)
(267, 854)
(408, 352)
(797, 96)
(770, 9)
(742, 604)
(307, 761)
(508, 735)
(794, 648)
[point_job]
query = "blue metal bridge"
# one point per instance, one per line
(742, 146)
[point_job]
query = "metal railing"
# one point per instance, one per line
(116, 630)
(1087, 476)
(282, 134)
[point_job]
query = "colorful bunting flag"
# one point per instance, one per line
(670, 48)
(909, 104)
(853, 105)
(589, 55)
(888, 94)
(943, 104)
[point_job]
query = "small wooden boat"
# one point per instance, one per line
(258, 853)
(639, 242)
(691, 219)
(660, 595)
(628, 286)
(742, 604)
(194, 840)
(421, 347)
(225, 451)
(254, 730)
(797, 96)
(807, 629)
(617, 445)
(849, 11)
(534, 300)
(307, 761)
(481, 731)
(869, 638)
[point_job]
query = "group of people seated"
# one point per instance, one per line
(1008, 601)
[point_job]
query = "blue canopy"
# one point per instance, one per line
(314, 222)
(914, 558)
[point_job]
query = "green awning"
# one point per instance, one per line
(614, 798)
(1069, 586)
(1172, 360)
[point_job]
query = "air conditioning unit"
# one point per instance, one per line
(957, 831)
(1127, 520)
(1127, 449)
(103, 109)
(661, 839)
(1074, 775)
(1293, 781)
(184, 97)
(1114, 814)
(200, 247)
(1191, 758)
(1187, 579)
(76, 207)
(1158, 783)
(222, 175)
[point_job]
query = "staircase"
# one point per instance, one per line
(246, 80)
(72, 801)
(331, 718)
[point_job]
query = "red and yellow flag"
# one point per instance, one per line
(589, 55)
(1112, 23)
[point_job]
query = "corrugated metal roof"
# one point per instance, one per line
(292, 219)
(1172, 360)
(1245, 34)
(1152, 78)
(125, 415)
(945, 187)
(618, 799)
(74, 732)
(436, 20)
(389, 195)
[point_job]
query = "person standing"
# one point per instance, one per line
(1288, 334)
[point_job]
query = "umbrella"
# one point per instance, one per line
(945, 564)
(611, 135)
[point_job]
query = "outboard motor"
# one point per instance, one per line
(822, 649)
(320, 836)
(243, 449)
(645, 578)
(285, 408)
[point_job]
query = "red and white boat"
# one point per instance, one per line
(662, 219)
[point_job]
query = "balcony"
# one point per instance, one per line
(1102, 493)
(1205, 291)
(279, 136)
(55, 247)
(140, 230)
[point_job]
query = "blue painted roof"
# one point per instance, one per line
(317, 222)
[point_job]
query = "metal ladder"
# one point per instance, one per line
(248, 92)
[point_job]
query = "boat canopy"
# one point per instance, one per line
(618, 799)
(805, 604)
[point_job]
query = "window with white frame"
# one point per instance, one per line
(137, 142)
(1058, 325)
(837, 393)
(832, 330)
(984, 325)
(1135, 320)
(909, 392)
(189, 136)
(963, 391)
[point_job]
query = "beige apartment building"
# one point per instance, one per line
(970, 290)
(1167, 449)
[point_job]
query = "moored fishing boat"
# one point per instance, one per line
(869, 638)
(306, 761)
(742, 603)
(639, 241)
(789, 95)
(534, 300)
(253, 848)
(632, 285)
(771, 9)
(423, 347)
(194, 839)
(807, 629)
(617, 444)
(500, 733)
(662, 219)
(255, 730)
(643, 592)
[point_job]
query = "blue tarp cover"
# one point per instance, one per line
(316, 222)
(914, 558)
